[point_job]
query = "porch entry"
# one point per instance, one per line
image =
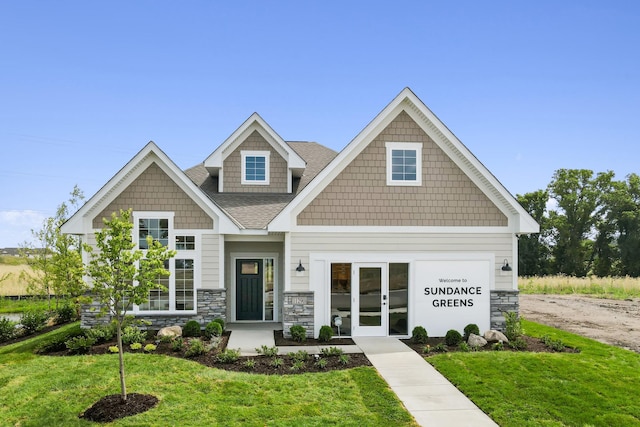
(254, 289)
(369, 299)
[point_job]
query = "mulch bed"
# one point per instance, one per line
(534, 345)
(111, 408)
(280, 340)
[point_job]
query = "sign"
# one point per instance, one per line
(450, 294)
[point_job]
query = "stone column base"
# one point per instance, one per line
(503, 301)
(298, 310)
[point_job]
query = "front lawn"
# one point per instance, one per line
(48, 391)
(597, 387)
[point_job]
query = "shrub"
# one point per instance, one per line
(33, 320)
(191, 329)
(440, 348)
(471, 328)
(498, 346)
(277, 362)
(135, 346)
(7, 329)
(332, 351)
(298, 333)
(452, 338)
(131, 334)
(426, 349)
(219, 321)
(177, 344)
(518, 344)
(299, 356)
(513, 328)
(321, 363)
(67, 312)
(419, 335)
(150, 348)
(463, 346)
(250, 364)
(213, 329)
(166, 339)
(553, 344)
(326, 333)
(196, 348)
(58, 341)
(113, 349)
(100, 333)
(267, 351)
(80, 344)
(344, 359)
(228, 356)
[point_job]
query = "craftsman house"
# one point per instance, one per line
(403, 227)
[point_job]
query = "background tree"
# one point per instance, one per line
(122, 276)
(56, 263)
(623, 219)
(533, 249)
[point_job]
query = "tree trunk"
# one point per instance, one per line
(123, 386)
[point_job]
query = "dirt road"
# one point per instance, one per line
(609, 321)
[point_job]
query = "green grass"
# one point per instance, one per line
(22, 305)
(597, 387)
(46, 391)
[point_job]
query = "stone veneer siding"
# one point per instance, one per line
(232, 168)
(360, 196)
(211, 304)
(154, 190)
(503, 301)
(298, 310)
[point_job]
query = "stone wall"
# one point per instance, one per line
(503, 301)
(297, 310)
(211, 304)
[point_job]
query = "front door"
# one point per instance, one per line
(249, 283)
(370, 309)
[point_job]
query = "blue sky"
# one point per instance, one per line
(528, 87)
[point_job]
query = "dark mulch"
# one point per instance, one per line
(534, 345)
(111, 407)
(282, 341)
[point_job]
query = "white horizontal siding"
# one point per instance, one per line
(302, 244)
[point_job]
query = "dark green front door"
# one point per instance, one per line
(249, 290)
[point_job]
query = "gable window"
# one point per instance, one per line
(158, 228)
(404, 163)
(255, 167)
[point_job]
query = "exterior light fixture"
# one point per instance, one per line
(300, 268)
(506, 266)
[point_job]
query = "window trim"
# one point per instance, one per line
(417, 147)
(243, 156)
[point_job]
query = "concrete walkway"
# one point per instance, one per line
(427, 394)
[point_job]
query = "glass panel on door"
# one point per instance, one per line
(370, 292)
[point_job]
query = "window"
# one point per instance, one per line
(158, 298)
(185, 243)
(157, 228)
(184, 284)
(255, 167)
(404, 163)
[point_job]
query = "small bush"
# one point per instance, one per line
(228, 356)
(100, 333)
(191, 329)
(80, 344)
(498, 346)
(471, 328)
(132, 334)
(267, 351)
(513, 329)
(299, 356)
(177, 344)
(440, 348)
(298, 333)
(7, 329)
(326, 333)
(220, 322)
(518, 344)
(250, 364)
(553, 344)
(321, 363)
(113, 349)
(344, 359)
(426, 349)
(67, 312)
(213, 329)
(463, 346)
(166, 339)
(452, 338)
(419, 335)
(332, 351)
(276, 362)
(58, 341)
(149, 348)
(33, 320)
(297, 365)
(135, 346)
(196, 348)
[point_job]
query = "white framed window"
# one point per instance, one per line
(404, 163)
(181, 284)
(255, 167)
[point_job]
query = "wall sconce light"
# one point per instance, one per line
(506, 266)
(300, 269)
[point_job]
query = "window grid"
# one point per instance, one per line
(403, 165)
(255, 168)
(184, 283)
(157, 228)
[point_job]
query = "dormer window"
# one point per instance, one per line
(404, 163)
(255, 167)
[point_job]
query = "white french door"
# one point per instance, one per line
(369, 299)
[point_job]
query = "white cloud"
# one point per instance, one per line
(16, 226)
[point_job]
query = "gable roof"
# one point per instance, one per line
(81, 221)
(519, 219)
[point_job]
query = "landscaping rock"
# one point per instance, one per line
(495, 336)
(476, 341)
(170, 331)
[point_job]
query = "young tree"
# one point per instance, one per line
(56, 263)
(123, 276)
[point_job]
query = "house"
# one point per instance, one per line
(403, 227)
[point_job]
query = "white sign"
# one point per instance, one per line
(450, 294)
